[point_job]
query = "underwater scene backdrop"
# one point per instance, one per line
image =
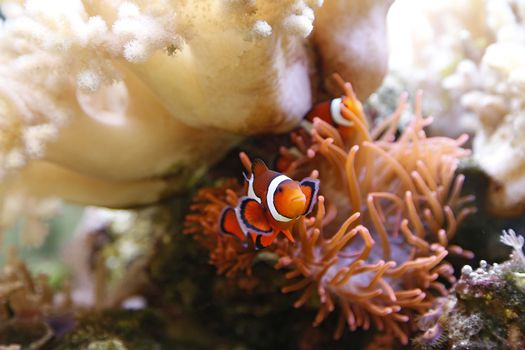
(242, 174)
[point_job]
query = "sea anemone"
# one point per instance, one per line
(227, 253)
(376, 244)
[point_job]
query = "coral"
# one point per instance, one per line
(35, 315)
(165, 88)
(109, 253)
(375, 246)
(129, 104)
(484, 310)
(339, 22)
(473, 69)
(110, 267)
(119, 330)
(498, 146)
(29, 305)
(440, 57)
(30, 212)
(22, 294)
(510, 239)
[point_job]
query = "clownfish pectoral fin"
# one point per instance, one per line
(288, 235)
(261, 242)
(258, 167)
(252, 217)
(310, 188)
(229, 224)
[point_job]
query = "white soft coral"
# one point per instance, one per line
(121, 102)
(511, 239)
(470, 57)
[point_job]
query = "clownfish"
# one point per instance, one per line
(330, 111)
(273, 204)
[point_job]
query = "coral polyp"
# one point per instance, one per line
(390, 204)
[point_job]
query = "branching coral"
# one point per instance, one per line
(165, 88)
(375, 246)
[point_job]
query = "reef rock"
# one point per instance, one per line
(486, 309)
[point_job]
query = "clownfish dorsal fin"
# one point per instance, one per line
(259, 167)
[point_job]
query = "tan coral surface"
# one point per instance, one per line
(119, 103)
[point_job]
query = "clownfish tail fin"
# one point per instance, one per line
(310, 188)
(229, 225)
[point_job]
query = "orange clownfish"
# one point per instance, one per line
(273, 204)
(330, 111)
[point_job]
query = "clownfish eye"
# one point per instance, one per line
(280, 189)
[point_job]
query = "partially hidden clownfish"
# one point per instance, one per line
(273, 204)
(330, 112)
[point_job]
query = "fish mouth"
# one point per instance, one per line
(298, 198)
